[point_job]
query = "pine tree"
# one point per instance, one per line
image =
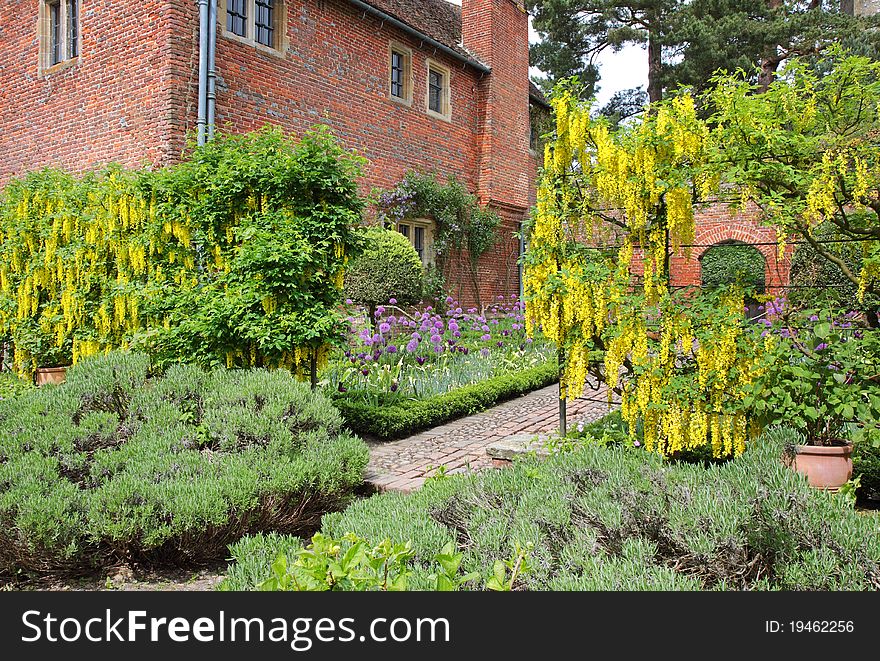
(688, 40)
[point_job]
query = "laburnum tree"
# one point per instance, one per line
(609, 201)
(807, 153)
(613, 204)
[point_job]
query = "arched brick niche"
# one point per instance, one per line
(718, 224)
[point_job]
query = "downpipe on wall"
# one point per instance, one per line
(201, 118)
(211, 91)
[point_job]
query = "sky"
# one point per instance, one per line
(619, 71)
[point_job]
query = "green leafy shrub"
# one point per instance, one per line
(389, 267)
(12, 385)
(232, 256)
(390, 417)
(120, 464)
(610, 518)
(866, 465)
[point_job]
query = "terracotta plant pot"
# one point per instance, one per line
(45, 375)
(826, 467)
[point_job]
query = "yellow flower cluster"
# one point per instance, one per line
(111, 240)
(643, 178)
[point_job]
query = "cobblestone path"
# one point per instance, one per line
(460, 446)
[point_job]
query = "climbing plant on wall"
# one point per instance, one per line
(234, 256)
(464, 229)
(609, 201)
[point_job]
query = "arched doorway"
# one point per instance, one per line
(734, 262)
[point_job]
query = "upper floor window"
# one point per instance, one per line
(400, 85)
(59, 32)
(438, 91)
(256, 21)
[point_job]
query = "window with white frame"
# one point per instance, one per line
(259, 22)
(438, 96)
(420, 234)
(59, 32)
(400, 74)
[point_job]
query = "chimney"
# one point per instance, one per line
(497, 33)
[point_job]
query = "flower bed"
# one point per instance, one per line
(409, 370)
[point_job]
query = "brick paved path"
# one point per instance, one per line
(461, 445)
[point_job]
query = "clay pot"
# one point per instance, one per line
(45, 375)
(826, 467)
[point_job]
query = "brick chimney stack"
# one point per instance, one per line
(497, 33)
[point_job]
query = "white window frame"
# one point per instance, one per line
(428, 256)
(446, 97)
(44, 31)
(278, 48)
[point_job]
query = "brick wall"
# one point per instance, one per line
(719, 223)
(132, 96)
(496, 31)
(120, 101)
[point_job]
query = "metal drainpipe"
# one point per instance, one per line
(211, 93)
(203, 70)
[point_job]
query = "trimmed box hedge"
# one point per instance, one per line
(119, 464)
(399, 418)
(616, 518)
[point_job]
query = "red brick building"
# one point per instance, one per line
(411, 84)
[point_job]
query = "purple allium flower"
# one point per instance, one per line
(417, 337)
(438, 325)
(392, 301)
(484, 352)
(384, 327)
(814, 317)
(348, 301)
(821, 346)
(392, 319)
(380, 311)
(412, 346)
(453, 325)
(449, 300)
(439, 348)
(391, 349)
(456, 333)
(486, 337)
(436, 339)
(528, 340)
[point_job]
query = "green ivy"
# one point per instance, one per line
(464, 229)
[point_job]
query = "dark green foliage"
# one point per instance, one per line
(294, 212)
(389, 267)
(388, 421)
(866, 463)
(616, 519)
(464, 230)
(117, 464)
(733, 263)
(702, 36)
(819, 283)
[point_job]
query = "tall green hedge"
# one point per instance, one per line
(121, 464)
